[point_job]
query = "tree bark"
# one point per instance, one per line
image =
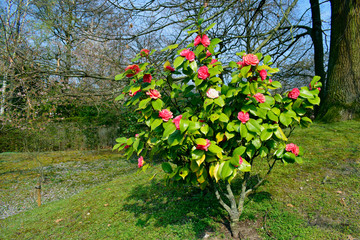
(342, 100)
(316, 36)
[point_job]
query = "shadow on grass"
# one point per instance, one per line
(160, 206)
(173, 205)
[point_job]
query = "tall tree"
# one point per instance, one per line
(342, 100)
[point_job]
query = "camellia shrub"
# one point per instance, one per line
(211, 123)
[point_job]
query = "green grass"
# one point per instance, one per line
(96, 195)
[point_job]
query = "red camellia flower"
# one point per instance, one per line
(263, 74)
(197, 40)
(166, 115)
(190, 55)
(204, 147)
(243, 117)
(291, 147)
(147, 78)
(144, 52)
(177, 121)
(134, 70)
(154, 94)
(240, 63)
(203, 72)
(311, 87)
(140, 161)
(260, 97)
(270, 80)
(213, 61)
(208, 53)
(134, 93)
(294, 94)
(127, 146)
(170, 68)
(184, 52)
(250, 59)
(205, 41)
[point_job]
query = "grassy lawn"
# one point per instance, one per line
(97, 195)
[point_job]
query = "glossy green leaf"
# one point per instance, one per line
(166, 167)
(158, 104)
(157, 122)
(178, 61)
(266, 134)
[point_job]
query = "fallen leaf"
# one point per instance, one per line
(106, 204)
(58, 220)
(109, 225)
(342, 201)
(289, 205)
(339, 192)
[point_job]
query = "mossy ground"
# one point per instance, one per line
(97, 195)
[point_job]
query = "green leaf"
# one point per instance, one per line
(223, 118)
(208, 102)
(314, 80)
(298, 160)
(266, 134)
(156, 123)
(267, 58)
(314, 101)
(245, 166)
(209, 27)
(214, 117)
(200, 141)
(119, 77)
(239, 151)
(158, 104)
(233, 64)
(166, 167)
(220, 101)
(306, 93)
(289, 157)
(143, 103)
(285, 119)
(173, 46)
(215, 148)
(276, 84)
(183, 125)
(256, 142)
(264, 151)
(169, 129)
(183, 172)
(204, 129)
(226, 169)
(250, 151)
(193, 66)
(253, 126)
(272, 116)
(215, 41)
(178, 61)
(175, 138)
(245, 70)
(193, 126)
(243, 130)
(120, 97)
(197, 154)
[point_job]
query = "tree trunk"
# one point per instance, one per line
(316, 36)
(342, 100)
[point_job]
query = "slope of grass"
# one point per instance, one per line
(319, 199)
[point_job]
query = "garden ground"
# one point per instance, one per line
(97, 195)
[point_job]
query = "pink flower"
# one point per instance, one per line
(260, 97)
(311, 87)
(203, 72)
(263, 74)
(166, 115)
(294, 94)
(250, 59)
(184, 52)
(270, 80)
(190, 56)
(170, 68)
(212, 93)
(291, 147)
(240, 161)
(137, 135)
(208, 53)
(177, 121)
(243, 117)
(153, 93)
(140, 161)
(213, 61)
(134, 93)
(134, 70)
(197, 40)
(240, 63)
(204, 147)
(144, 52)
(205, 41)
(147, 78)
